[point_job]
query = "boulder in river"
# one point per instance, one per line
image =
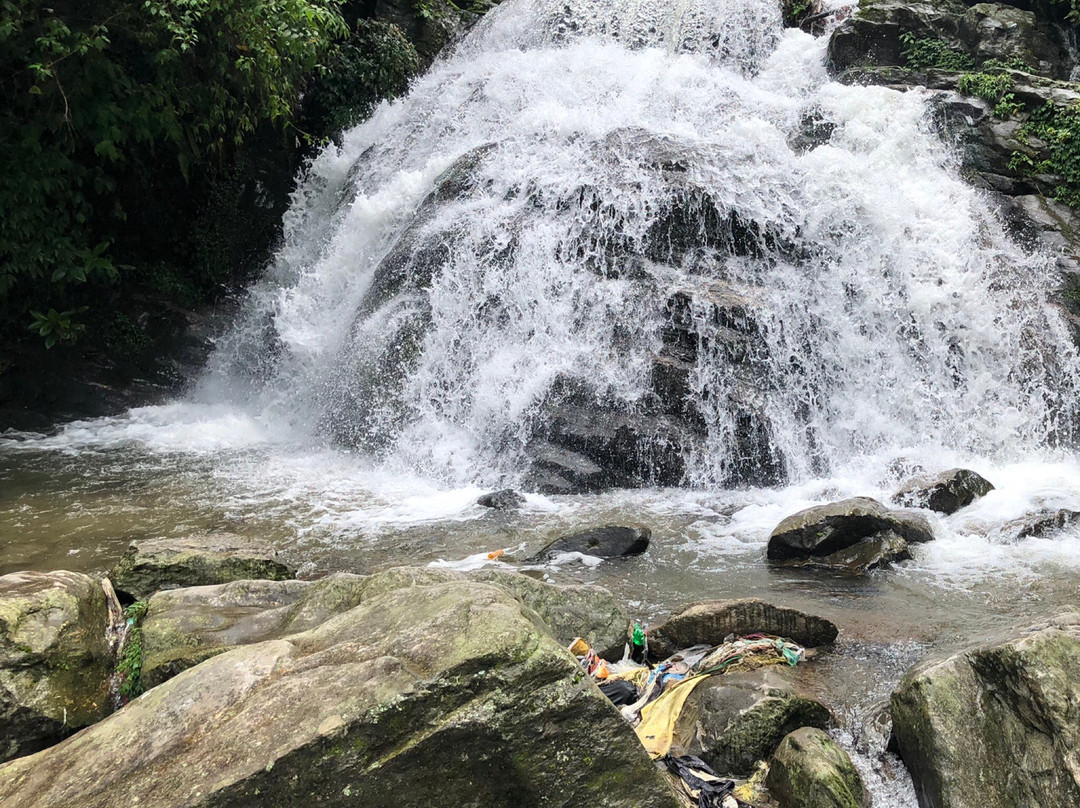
(996, 726)
(809, 770)
(817, 533)
(612, 541)
(183, 627)
(1041, 523)
(154, 564)
(946, 492)
(505, 500)
(709, 622)
(55, 659)
(740, 717)
(448, 694)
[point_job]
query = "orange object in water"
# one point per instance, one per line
(495, 554)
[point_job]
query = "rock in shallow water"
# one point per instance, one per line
(155, 564)
(821, 531)
(808, 770)
(449, 694)
(997, 726)
(946, 492)
(506, 500)
(710, 622)
(604, 542)
(54, 658)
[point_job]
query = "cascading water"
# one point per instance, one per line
(524, 220)
(657, 228)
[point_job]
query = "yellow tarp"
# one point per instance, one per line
(657, 727)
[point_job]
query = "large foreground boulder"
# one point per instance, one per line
(828, 535)
(448, 694)
(946, 492)
(809, 770)
(183, 627)
(739, 718)
(710, 622)
(54, 658)
(997, 726)
(155, 564)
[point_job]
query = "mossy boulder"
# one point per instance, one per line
(155, 564)
(710, 622)
(809, 770)
(183, 627)
(996, 726)
(739, 718)
(54, 658)
(444, 694)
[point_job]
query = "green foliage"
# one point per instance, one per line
(922, 52)
(57, 326)
(376, 62)
(125, 93)
(1058, 127)
(992, 87)
(129, 666)
(1012, 63)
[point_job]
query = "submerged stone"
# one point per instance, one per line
(506, 500)
(55, 659)
(612, 541)
(448, 694)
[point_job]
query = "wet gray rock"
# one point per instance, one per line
(739, 718)
(154, 564)
(505, 500)
(946, 492)
(447, 694)
(612, 541)
(819, 532)
(184, 627)
(809, 770)
(880, 551)
(710, 622)
(1043, 523)
(55, 659)
(559, 471)
(996, 726)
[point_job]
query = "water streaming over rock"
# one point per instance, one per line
(655, 238)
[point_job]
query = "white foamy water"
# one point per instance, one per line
(393, 362)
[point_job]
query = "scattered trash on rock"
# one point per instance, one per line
(612, 541)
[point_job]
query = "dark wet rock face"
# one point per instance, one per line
(809, 770)
(961, 52)
(997, 726)
(945, 493)
(604, 542)
(711, 621)
(55, 659)
(445, 694)
(857, 533)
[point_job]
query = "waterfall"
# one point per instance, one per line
(653, 232)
